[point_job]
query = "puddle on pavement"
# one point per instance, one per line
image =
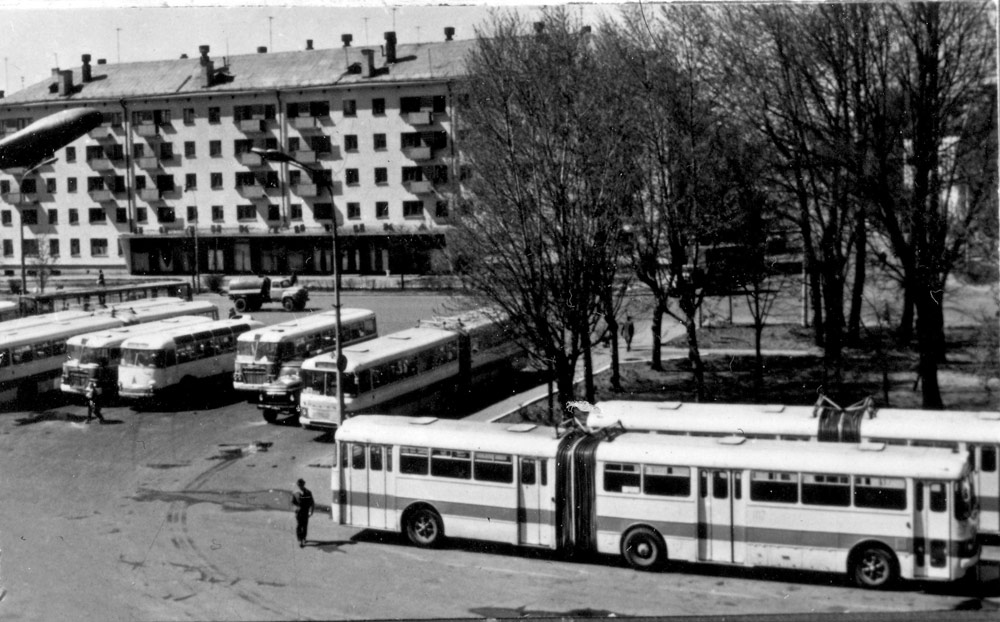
(231, 501)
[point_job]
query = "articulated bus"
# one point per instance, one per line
(268, 359)
(152, 365)
(91, 298)
(95, 356)
(32, 355)
(396, 370)
(123, 310)
(875, 512)
(972, 434)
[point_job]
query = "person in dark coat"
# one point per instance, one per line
(93, 395)
(302, 499)
(628, 332)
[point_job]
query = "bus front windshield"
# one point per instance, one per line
(143, 358)
(257, 350)
(966, 501)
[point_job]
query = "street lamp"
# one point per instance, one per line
(276, 155)
(20, 202)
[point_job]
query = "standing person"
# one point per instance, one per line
(93, 395)
(302, 499)
(628, 331)
(100, 278)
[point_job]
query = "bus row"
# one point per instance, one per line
(974, 435)
(33, 349)
(876, 512)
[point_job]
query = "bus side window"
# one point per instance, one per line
(344, 447)
(703, 484)
(357, 456)
(375, 457)
(171, 358)
(720, 485)
(527, 471)
(939, 497)
(988, 459)
(4, 358)
(918, 496)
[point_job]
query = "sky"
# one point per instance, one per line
(55, 34)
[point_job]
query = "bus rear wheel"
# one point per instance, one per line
(423, 528)
(873, 567)
(643, 549)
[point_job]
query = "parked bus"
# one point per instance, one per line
(972, 434)
(95, 297)
(268, 359)
(95, 356)
(8, 310)
(123, 310)
(876, 512)
(402, 367)
(152, 365)
(31, 356)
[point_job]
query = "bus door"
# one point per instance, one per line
(534, 516)
(721, 516)
(379, 463)
(931, 529)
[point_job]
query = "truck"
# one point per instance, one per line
(249, 293)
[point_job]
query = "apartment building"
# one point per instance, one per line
(172, 173)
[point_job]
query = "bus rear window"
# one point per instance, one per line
(883, 493)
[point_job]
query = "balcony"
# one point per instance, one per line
(418, 153)
(249, 159)
(304, 123)
(101, 131)
(251, 192)
(101, 195)
(16, 198)
(176, 225)
(147, 162)
(423, 117)
(101, 164)
(147, 130)
(149, 194)
(252, 126)
(420, 187)
(305, 157)
(306, 190)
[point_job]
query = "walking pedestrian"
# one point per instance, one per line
(302, 499)
(100, 278)
(93, 395)
(628, 332)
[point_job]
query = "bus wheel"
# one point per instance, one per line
(423, 528)
(643, 549)
(873, 567)
(288, 304)
(240, 304)
(270, 415)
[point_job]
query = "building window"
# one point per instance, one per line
(192, 213)
(96, 214)
(165, 183)
(350, 108)
(189, 116)
(214, 115)
(322, 211)
(71, 184)
(6, 217)
(74, 216)
(350, 142)
(412, 173)
(166, 151)
(121, 249)
(246, 212)
(53, 248)
(8, 248)
(378, 106)
(138, 150)
(381, 175)
(189, 149)
(30, 248)
(294, 178)
(74, 247)
(321, 144)
(215, 148)
(5, 186)
(351, 176)
(165, 214)
(413, 208)
(53, 217)
(119, 184)
(380, 142)
(253, 111)
(71, 154)
(29, 216)
(217, 214)
(191, 181)
(441, 209)
(121, 214)
(354, 211)
(141, 215)
(50, 186)
(295, 211)
(95, 183)
(216, 181)
(382, 209)
(99, 247)
(245, 179)
(140, 182)
(273, 212)
(293, 144)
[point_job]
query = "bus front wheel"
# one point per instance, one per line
(270, 415)
(423, 528)
(288, 304)
(643, 549)
(873, 567)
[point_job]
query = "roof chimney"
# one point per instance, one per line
(207, 67)
(65, 82)
(102, 61)
(347, 40)
(539, 27)
(309, 44)
(262, 49)
(449, 33)
(390, 47)
(85, 72)
(368, 68)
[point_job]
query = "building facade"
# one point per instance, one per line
(172, 178)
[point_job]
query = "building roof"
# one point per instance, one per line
(254, 72)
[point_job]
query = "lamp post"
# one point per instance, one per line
(276, 155)
(21, 202)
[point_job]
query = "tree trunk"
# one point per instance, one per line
(565, 371)
(904, 333)
(612, 340)
(858, 287)
(930, 340)
(588, 367)
(816, 297)
(657, 361)
(833, 327)
(690, 309)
